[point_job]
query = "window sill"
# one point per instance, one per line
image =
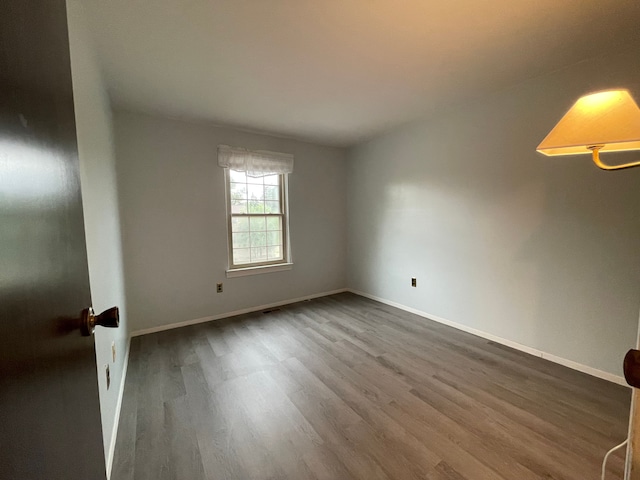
(243, 272)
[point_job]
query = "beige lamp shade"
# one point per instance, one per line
(609, 120)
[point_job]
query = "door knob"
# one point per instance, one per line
(109, 318)
(631, 368)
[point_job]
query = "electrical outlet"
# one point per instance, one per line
(414, 282)
(219, 287)
(108, 372)
(113, 351)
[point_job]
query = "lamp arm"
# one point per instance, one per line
(596, 159)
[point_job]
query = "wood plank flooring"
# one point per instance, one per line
(342, 388)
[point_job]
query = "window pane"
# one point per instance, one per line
(240, 240)
(256, 198)
(238, 206)
(239, 224)
(272, 180)
(259, 254)
(271, 192)
(237, 176)
(256, 192)
(258, 239)
(257, 224)
(274, 238)
(241, 256)
(238, 191)
(271, 207)
(273, 223)
(274, 253)
(256, 206)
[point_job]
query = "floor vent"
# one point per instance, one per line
(271, 310)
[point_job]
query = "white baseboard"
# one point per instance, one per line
(161, 328)
(494, 338)
(479, 333)
(116, 420)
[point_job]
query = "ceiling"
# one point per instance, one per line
(339, 71)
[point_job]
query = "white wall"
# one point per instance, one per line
(174, 222)
(540, 251)
(101, 218)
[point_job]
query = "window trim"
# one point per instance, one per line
(243, 272)
(259, 267)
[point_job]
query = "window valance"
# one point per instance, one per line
(255, 163)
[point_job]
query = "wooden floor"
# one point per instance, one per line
(342, 388)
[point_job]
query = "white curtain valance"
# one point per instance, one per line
(255, 163)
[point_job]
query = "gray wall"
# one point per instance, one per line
(174, 222)
(537, 250)
(100, 203)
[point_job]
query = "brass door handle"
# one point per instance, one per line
(631, 368)
(109, 318)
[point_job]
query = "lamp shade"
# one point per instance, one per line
(609, 119)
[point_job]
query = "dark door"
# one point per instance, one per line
(49, 412)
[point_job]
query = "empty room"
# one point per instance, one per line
(319, 240)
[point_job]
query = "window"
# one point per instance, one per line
(256, 186)
(257, 219)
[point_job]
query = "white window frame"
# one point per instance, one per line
(256, 268)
